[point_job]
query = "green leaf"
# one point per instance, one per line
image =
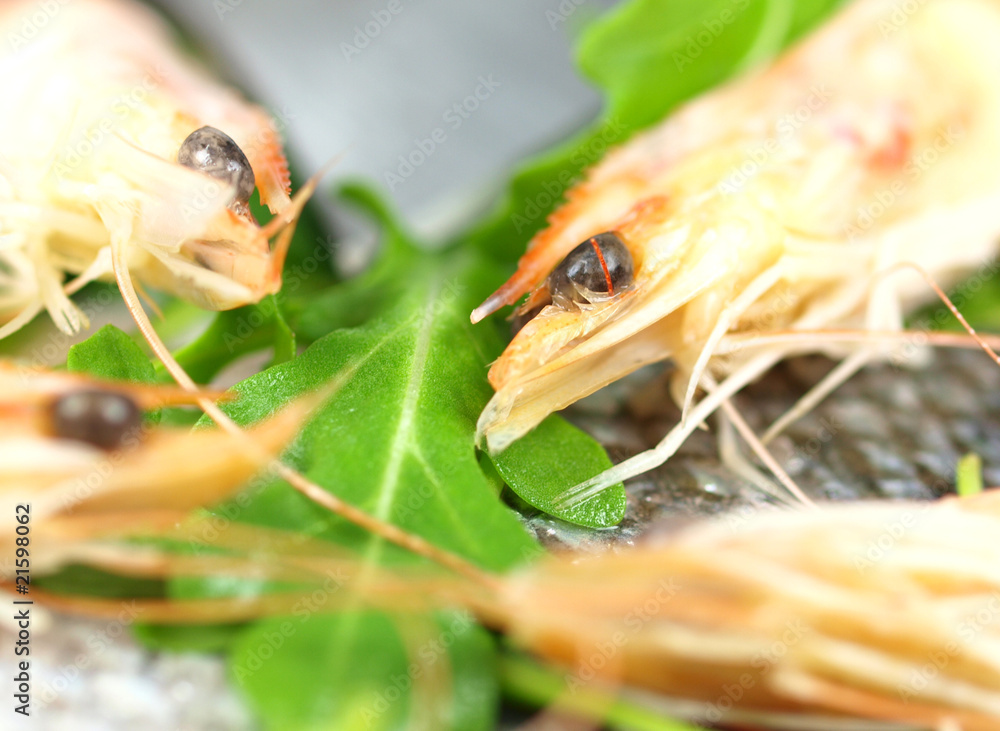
(556, 455)
(528, 681)
(368, 670)
(187, 638)
(111, 354)
(235, 333)
(396, 436)
(969, 475)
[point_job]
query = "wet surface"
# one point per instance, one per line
(888, 433)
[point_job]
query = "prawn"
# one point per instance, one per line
(808, 636)
(766, 218)
(79, 457)
(120, 157)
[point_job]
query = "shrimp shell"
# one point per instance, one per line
(781, 201)
(81, 496)
(99, 100)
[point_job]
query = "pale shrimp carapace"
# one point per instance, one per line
(80, 452)
(118, 151)
(779, 202)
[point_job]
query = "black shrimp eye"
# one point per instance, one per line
(102, 418)
(215, 153)
(598, 269)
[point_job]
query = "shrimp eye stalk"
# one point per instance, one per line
(598, 269)
(215, 153)
(102, 418)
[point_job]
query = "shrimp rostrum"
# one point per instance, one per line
(118, 154)
(783, 202)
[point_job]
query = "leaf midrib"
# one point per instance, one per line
(398, 448)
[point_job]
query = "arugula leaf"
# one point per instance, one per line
(396, 405)
(356, 670)
(556, 454)
(396, 437)
(235, 333)
(111, 354)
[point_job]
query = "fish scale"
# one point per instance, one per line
(888, 433)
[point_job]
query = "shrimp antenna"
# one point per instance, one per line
(950, 305)
(121, 226)
(759, 448)
(282, 226)
(854, 363)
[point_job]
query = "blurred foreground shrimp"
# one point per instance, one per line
(117, 152)
(875, 616)
(78, 451)
(762, 216)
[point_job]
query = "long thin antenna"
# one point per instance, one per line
(735, 342)
(949, 304)
(765, 456)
